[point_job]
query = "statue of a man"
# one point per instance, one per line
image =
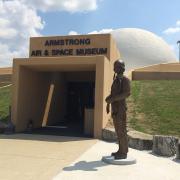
(120, 90)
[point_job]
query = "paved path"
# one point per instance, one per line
(149, 167)
(41, 157)
(38, 157)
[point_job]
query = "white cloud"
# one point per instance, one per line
(73, 33)
(172, 35)
(19, 21)
(62, 5)
(6, 55)
(178, 23)
(19, 17)
(4, 22)
(173, 30)
(103, 31)
(7, 33)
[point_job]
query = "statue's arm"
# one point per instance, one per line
(108, 104)
(125, 93)
(120, 97)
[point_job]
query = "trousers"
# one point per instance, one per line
(119, 121)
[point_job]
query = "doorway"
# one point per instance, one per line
(72, 98)
(80, 96)
(32, 84)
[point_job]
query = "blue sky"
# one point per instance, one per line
(20, 19)
(154, 15)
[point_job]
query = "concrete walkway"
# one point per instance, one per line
(38, 157)
(149, 167)
(32, 157)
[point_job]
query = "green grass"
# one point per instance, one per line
(154, 107)
(4, 103)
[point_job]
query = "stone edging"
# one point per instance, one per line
(142, 141)
(137, 140)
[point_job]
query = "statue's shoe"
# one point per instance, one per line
(114, 153)
(120, 156)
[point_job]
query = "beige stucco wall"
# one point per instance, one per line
(96, 41)
(168, 71)
(33, 78)
(80, 76)
(155, 75)
(5, 74)
(166, 67)
(31, 97)
(5, 77)
(57, 109)
(31, 81)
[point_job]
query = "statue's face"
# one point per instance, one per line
(118, 68)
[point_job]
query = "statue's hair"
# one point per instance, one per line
(121, 63)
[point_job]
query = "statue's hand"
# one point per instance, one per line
(107, 109)
(108, 99)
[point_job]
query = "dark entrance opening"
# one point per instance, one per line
(80, 96)
(71, 105)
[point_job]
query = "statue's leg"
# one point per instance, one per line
(115, 119)
(120, 128)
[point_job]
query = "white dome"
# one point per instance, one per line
(142, 48)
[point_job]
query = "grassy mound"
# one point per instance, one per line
(154, 107)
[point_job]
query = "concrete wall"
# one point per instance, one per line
(169, 71)
(114, 53)
(5, 74)
(103, 85)
(58, 102)
(166, 67)
(5, 77)
(96, 41)
(32, 97)
(32, 83)
(80, 76)
(155, 75)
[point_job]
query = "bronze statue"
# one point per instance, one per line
(120, 90)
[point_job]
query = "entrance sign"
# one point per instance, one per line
(83, 45)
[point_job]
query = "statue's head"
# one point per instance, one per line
(119, 66)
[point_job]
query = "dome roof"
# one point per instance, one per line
(142, 48)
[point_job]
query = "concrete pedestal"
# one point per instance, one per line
(111, 160)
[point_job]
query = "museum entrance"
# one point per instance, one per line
(71, 105)
(80, 96)
(80, 99)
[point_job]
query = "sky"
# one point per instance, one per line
(21, 19)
